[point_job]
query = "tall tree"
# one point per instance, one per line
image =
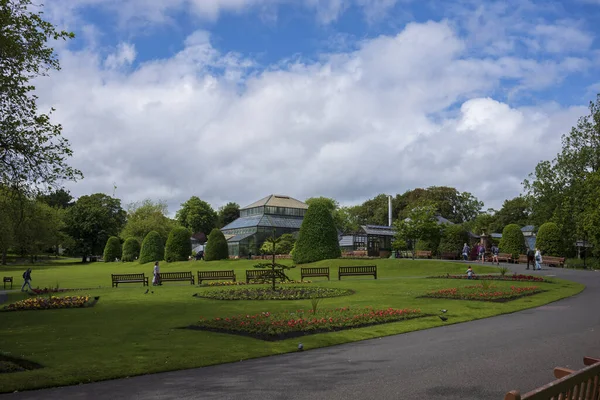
(343, 217)
(59, 198)
(197, 215)
(92, 220)
(228, 213)
(145, 217)
(451, 204)
(420, 224)
(560, 190)
(513, 211)
(32, 150)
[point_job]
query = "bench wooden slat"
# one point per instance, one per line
(254, 274)
(423, 253)
(313, 272)
(571, 385)
(177, 276)
(128, 278)
(215, 275)
(506, 257)
(357, 270)
(550, 260)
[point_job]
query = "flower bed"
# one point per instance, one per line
(49, 303)
(285, 325)
(513, 278)
(48, 290)
(280, 293)
(482, 293)
(242, 283)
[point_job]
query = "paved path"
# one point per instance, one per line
(476, 360)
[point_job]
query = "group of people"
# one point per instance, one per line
(533, 257)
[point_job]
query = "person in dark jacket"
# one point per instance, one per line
(27, 280)
(531, 258)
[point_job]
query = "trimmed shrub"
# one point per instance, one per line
(131, 249)
(216, 246)
(152, 248)
(318, 238)
(112, 250)
(512, 241)
(453, 239)
(549, 240)
(179, 245)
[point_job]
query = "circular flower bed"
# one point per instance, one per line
(283, 293)
(242, 283)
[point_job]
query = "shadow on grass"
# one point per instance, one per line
(10, 364)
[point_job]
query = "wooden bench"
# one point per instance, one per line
(128, 278)
(216, 276)
(177, 276)
(354, 271)
(312, 272)
(423, 253)
(255, 274)
(7, 279)
(446, 255)
(522, 259)
(556, 261)
(505, 257)
(570, 385)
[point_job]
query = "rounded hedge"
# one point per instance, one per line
(131, 249)
(549, 240)
(152, 248)
(112, 250)
(179, 245)
(453, 239)
(318, 238)
(216, 246)
(512, 241)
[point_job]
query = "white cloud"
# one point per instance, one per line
(377, 119)
(563, 37)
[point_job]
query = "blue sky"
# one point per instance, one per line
(312, 86)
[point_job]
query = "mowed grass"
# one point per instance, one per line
(131, 333)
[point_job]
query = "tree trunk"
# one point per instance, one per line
(84, 258)
(3, 256)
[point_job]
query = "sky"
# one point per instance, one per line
(233, 100)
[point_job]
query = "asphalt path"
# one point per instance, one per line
(481, 359)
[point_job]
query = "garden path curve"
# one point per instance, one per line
(476, 360)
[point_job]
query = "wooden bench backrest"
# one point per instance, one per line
(213, 274)
(254, 272)
(362, 268)
(121, 277)
(423, 252)
(176, 274)
(315, 270)
(522, 258)
(505, 255)
(579, 385)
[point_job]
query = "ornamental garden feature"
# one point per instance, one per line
(286, 293)
(484, 292)
(51, 303)
(285, 325)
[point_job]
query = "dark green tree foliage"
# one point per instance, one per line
(428, 245)
(513, 211)
(318, 238)
(179, 245)
(216, 246)
(228, 213)
(512, 241)
(131, 249)
(152, 248)
(197, 215)
(453, 239)
(112, 250)
(32, 150)
(549, 240)
(92, 220)
(419, 225)
(59, 198)
(146, 216)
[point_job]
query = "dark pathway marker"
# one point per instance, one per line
(481, 359)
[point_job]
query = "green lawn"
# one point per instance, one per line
(130, 333)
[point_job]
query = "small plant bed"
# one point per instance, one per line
(285, 325)
(484, 292)
(242, 283)
(281, 293)
(51, 303)
(38, 291)
(10, 364)
(513, 278)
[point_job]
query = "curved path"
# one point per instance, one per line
(476, 360)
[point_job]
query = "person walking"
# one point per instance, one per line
(495, 252)
(531, 258)
(156, 280)
(538, 259)
(27, 280)
(465, 252)
(482, 253)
